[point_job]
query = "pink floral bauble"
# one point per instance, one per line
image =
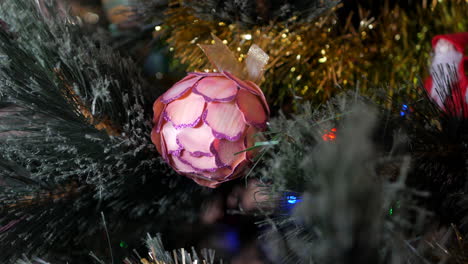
(205, 122)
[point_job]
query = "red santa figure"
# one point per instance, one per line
(447, 85)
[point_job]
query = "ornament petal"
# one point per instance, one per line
(250, 139)
(197, 140)
(156, 139)
(199, 164)
(225, 152)
(252, 108)
(207, 74)
(238, 171)
(225, 120)
(179, 89)
(181, 166)
(251, 87)
(158, 109)
(203, 181)
(219, 175)
(242, 84)
(219, 89)
(185, 112)
(163, 149)
(255, 87)
(170, 133)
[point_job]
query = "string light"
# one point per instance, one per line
(123, 244)
(404, 110)
(291, 199)
(247, 36)
(330, 135)
(391, 211)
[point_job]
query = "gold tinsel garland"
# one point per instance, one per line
(314, 61)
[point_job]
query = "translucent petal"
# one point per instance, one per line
(225, 119)
(179, 89)
(205, 181)
(196, 140)
(220, 174)
(219, 89)
(156, 139)
(250, 139)
(170, 138)
(180, 166)
(252, 108)
(158, 109)
(225, 152)
(251, 87)
(185, 112)
(199, 164)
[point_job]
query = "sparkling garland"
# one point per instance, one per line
(313, 61)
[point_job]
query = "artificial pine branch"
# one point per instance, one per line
(354, 207)
(157, 254)
(258, 12)
(437, 142)
(78, 140)
(150, 11)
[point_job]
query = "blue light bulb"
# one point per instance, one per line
(404, 110)
(291, 199)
